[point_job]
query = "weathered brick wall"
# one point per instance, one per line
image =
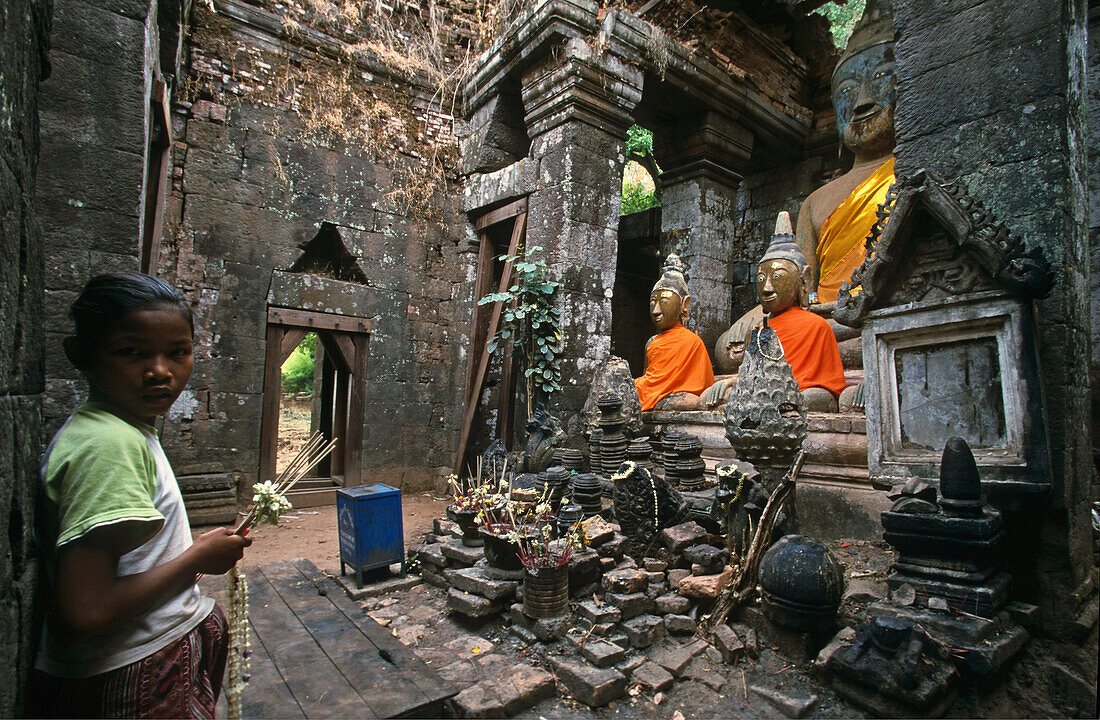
(991, 91)
(252, 182)
(1093, 139)
(92, 166)
(24, 40)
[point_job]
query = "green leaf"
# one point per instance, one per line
(548, 288)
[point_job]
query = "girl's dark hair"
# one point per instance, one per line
(108, 297)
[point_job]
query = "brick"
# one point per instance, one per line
(522, 686)
(656, 590)
(728, 643)
(445, 527)
(748, 637)
(432, 554)
(676, 658)
(602, 653)
(584, 569)
(654, 565)
(644, 630)
(675, 576)
(594, 687)
(597, 531)
(602, 613)
(706, 555)
(625, 582)
(632, 663)
(615, 547)
(705, 586)
(653, 677)
(672, 604)
(655, 576)
(630, 605)
(679, 537)
(680, 624)
(462, 555)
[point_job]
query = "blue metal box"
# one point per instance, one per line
(371, 531)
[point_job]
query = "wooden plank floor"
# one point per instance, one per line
(316, 654)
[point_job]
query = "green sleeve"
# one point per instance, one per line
(104, 479)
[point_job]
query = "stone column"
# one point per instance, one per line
(701, 160)
(577, 105)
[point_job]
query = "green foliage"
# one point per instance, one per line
(637, 197)
(298, 368)
(842, 19)
(530, 323)
(639, 140)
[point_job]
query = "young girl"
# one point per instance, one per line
(127, 633)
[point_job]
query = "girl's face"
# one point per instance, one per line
(143, 363)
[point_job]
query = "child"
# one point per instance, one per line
(127, 633)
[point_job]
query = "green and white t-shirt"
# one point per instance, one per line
(101, 470)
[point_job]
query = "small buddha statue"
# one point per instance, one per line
(835, 220)
(809, 344)
(677, 364)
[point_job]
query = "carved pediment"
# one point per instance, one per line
(932, 241)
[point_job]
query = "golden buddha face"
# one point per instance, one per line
(778, 285)
(667, 308)
(864, 95)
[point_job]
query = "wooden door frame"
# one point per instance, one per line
(485, 322)
(346, 341)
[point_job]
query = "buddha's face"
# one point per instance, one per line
(778, 285)
(864, 95)
(666, 308)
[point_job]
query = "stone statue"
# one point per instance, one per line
(613, 375)
(808, 343)
(835, 219)
(677, 364)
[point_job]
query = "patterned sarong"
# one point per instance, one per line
(182, 680)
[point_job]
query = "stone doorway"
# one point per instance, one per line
(339, 410)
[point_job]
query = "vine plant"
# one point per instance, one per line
(530, 323)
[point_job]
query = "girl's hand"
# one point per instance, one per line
(217, 551)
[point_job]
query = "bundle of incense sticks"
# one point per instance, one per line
(314, 451)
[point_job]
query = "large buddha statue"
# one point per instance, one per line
(677, 364)
(809, 345)
(835, 219)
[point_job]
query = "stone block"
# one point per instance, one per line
(675, 576)
(675, 659)
(550, 630)
(523, 634)
(522, 686)
(728, 643)
(655, 576)
(584, 569)
(672, 604)
(598, 613)
(656, 590)
(479, 701)
(792, 704)
(596, 531)
(699, 570)
(654, 565)
(680, 624)
(748, 637)
(861, 590)
(632, 663)
(602, 653)
(653, 677)
(607, 563)
(461, 555)
(594, 687)
(432, 554)
(441, 526)
(706, 555)
(614, 548)
(625, 582)
(627, 563)
(644, 630)
(475, 580)
(433, 576)
(471, 605)
(705, 586)
(679, 537)
(603, 629)
(630, 605)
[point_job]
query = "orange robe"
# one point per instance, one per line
(841, 245)
(810, 348)
(676, 361)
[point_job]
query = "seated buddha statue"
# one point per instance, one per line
(809, 344)
(835, 220)
(677, 364)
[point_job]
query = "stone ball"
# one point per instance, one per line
(802, 582)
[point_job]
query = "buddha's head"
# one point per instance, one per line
(864, 84)
(669, 301)
(783, 275)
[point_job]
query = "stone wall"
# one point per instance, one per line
(991, 91)
(24, 40)
(90, 180)
(1093, 84)
(258, 167)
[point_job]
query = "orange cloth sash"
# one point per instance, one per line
(841, 245)
(676, 361)
(810, 348)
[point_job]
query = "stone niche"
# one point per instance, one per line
(948, 336)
